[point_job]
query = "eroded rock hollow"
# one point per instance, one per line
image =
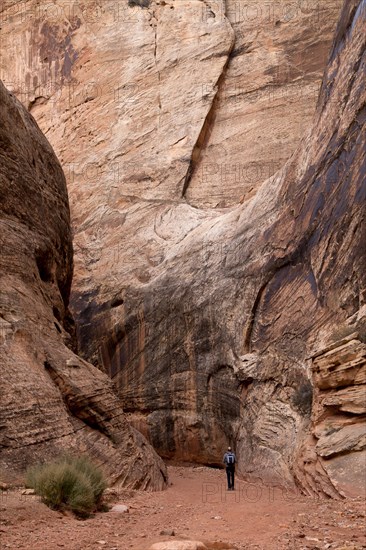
(206, 318)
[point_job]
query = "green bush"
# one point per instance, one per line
(70, 483)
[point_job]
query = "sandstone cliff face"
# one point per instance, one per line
(212, 346)
(205, 318)
(171, 93)
(160, 100)
(266, 98)
(51, 401)
(336, 449)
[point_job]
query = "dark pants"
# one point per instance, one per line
(230, 472)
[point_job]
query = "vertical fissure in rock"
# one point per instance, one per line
(205, 133)
(207, 126)
(154, 21)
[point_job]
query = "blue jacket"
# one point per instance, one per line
(226, 455)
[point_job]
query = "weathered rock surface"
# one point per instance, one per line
(203, 318)
(134, 90)
(169, 77)
(214, 346)
(338, 418)
(51, 401)
(267, 98)
(341, 365)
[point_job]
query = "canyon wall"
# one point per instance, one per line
(167, 104)
(206, 318)
(218, 347)
(336, 446)
(266, 97)
(51, 401)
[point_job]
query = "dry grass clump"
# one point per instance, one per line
(70, 483)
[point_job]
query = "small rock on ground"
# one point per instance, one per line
(167, 532)
(179, 545)
(120, 509)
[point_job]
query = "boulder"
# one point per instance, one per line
(347, 473)
(120, 509)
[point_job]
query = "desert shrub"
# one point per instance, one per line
(303, 398)
(93, 474)
(69, 483)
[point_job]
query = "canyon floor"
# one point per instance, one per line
(197, 507)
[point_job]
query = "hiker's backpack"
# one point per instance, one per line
(230, 459)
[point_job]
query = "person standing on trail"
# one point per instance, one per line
(230, 461)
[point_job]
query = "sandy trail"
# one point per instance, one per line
(196, 506)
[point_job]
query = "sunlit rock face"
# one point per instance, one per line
(266, 99)
(51, 401)
(151, 95)
(205, 318)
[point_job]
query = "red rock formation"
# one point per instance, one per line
(206, 319)
(219, 348)
(51, 401)
(266, 100)
(333, 458)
